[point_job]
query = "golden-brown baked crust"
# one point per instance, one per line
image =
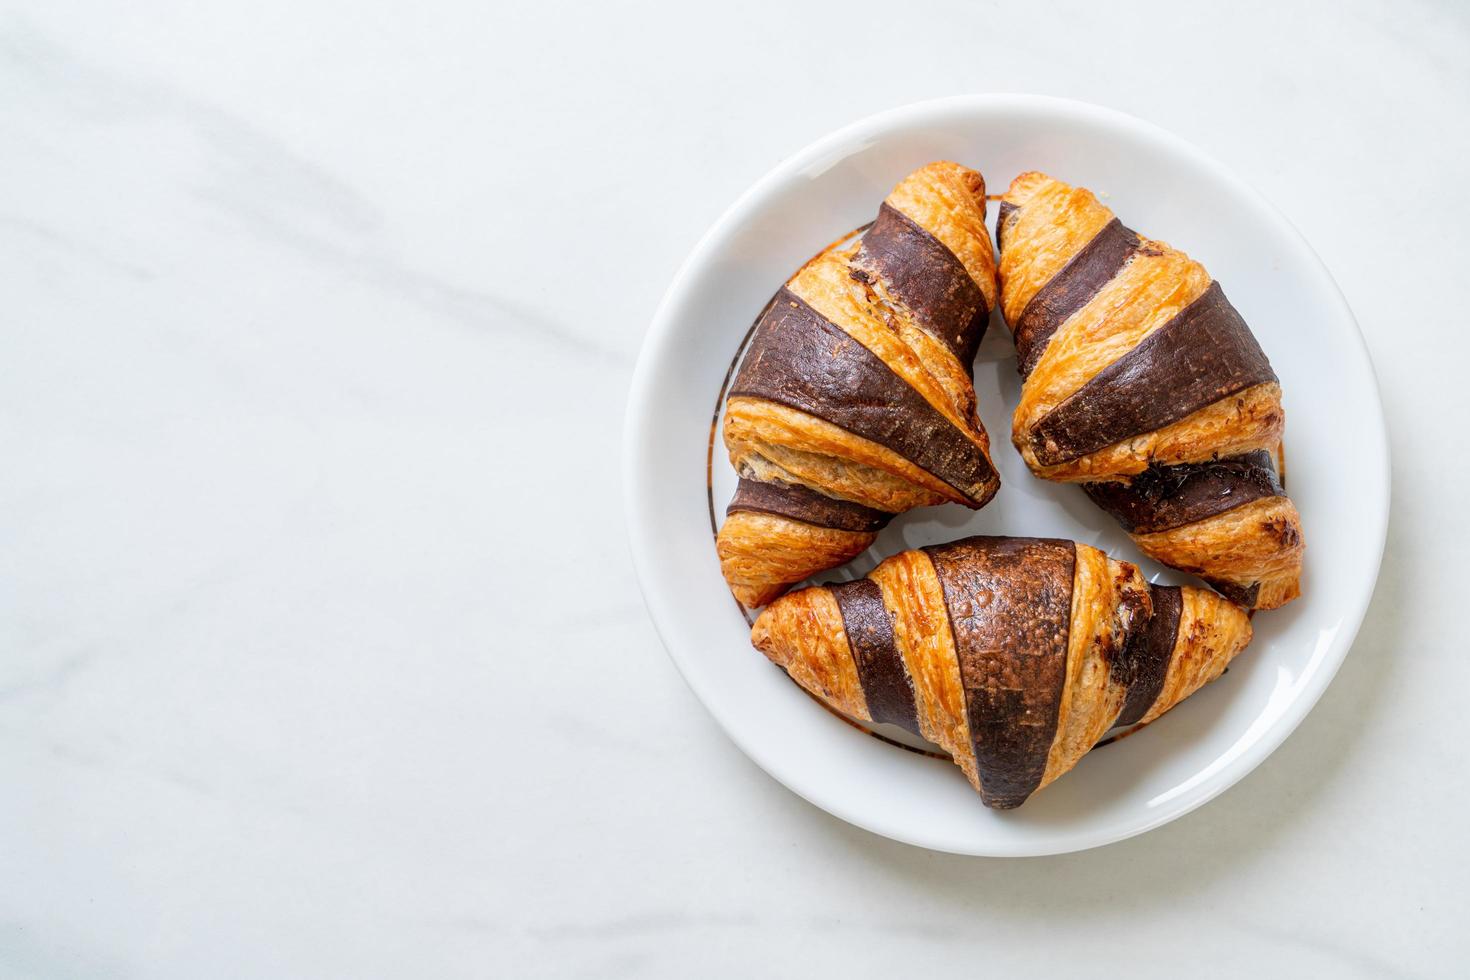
(1232, 426)
(827, 286)
(1056, 221)
(1126, 643)
(1258, 544)
(921, 629)
(1109, 600)
(857, 382)
(1211, 632)
(949, 200)
(766, 438)
(1108, 607)
(759, 552)
(1086, 296)
(1146, 294)
(806, 637)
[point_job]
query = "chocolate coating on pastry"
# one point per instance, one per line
(1070, 289)
(1241, 595)
(1010, 609)
(1165, 497)
(881, 672)
(800, 359)
(1202, 355)
(1005, 211)
(806, 505)
(1145, 660)
(926, 277)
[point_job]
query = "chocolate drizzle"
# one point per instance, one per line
(1146, 658)
(806, 505)
(1165, 497)
(800, 359)
(1204, 354)
(1072, 288)
(926, 277)
(1010, 608)
(881, 671)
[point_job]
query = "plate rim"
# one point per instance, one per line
(638, 521)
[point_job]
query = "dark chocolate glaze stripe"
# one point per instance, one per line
(1149, 651)
(1071, 289)
(928, 278)
(806, 505)
(799, 359)
(1005, 211)
(1165, 497)
(1010, 609)
(1242, 595)
(881, 671)
(1202, 355)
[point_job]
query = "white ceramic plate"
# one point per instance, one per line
(1337, 470)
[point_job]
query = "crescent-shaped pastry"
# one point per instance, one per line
(1014, 655)
(1143, 383)
(855, 399)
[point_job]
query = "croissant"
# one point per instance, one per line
(1143, 383)
(855, 400)
(1015, 655)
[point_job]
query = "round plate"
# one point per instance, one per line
(1337, 472)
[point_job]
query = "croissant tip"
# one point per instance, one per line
(760, 633)
(1024, 184)
(782, 630)
(1274, 595)
(757, 596)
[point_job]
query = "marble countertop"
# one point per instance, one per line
(322, 652)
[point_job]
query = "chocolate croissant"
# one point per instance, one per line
(1143, 383)
(1014, 655)
(855, 400)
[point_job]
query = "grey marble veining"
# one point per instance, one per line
(322, 653)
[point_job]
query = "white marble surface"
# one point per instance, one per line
(321, 652)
